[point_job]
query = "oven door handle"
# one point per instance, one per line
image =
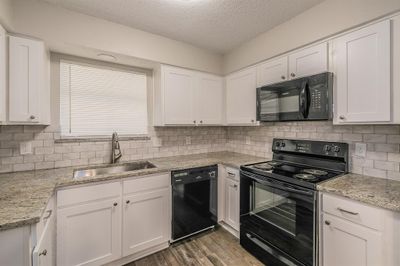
(278, 185)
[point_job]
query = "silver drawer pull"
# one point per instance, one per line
(49, 212)
(346, 211)
(231, 174)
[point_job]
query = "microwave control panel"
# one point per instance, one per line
(316, 100)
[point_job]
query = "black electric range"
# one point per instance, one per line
(278, 210)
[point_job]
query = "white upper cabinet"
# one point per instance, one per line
(209, 100)
(241, 97)
(178, 90)
(309, 61)
(361, 63)
(29, 97)
(3, 73)
(186, 97)
(272, 71)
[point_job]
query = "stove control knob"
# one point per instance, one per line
(278, 144)
(283, 144)
(327, 148)
(336, 149)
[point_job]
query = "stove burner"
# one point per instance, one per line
(263, 166)
(274, 163)
(307, 177)
(315, 172)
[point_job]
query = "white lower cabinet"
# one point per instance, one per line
(145, 220)
(89, 233)
(229, 199)
(104, 223)
(356, 234)
(232, 203)
(349, 244)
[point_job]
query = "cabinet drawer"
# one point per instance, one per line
(353, 211)
(148, 182)
(88, 193)
(232, 173)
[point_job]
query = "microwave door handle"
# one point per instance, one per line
(305, 99)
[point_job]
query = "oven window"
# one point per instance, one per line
(275, 208)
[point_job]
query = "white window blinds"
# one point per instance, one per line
(97, 101)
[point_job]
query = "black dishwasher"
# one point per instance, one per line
(194, 201)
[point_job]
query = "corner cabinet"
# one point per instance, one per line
(241, 97)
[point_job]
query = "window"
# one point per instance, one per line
(96, 101)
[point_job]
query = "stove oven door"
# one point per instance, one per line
(277, 221)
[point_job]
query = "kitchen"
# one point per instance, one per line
(247, 120)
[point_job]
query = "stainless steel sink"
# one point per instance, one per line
(113, 169)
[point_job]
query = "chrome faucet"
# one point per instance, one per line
(116, 153)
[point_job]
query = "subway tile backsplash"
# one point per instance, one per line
(382, 158)
(47, 153)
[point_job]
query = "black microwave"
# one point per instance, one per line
(307, 98)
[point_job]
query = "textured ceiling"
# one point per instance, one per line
(217, 25)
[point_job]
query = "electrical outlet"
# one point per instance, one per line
(188, 140)
(25, 147)
(248, 142)
(361, 150)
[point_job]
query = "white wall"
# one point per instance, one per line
(321, 21)
(65, 30)
(6, 13)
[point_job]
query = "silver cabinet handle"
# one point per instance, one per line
(342, 117)
(49, 212)
(252, 120)
(43, 253)
(292, 75)
(283, 77)
(32, 117)
(115, 204)
(201, 121)
(346, 211)
(235, 186)
(327, 222)
(128, 201)
(194, 121)
(231, 174)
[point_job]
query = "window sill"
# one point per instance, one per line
(100, 139)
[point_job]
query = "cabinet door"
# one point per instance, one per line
(349, 244)
(241, 97)
(26, 63)
(89, 234)
(272, 71)
(361, 62)
(232, 203)
(309, 61)
(209, 100)
(146, 220)
(178, 91)
(44, 252)
(3, 69)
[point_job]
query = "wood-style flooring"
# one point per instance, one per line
(214, 248)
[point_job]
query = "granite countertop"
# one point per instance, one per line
(24, 195)
(380, 192)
